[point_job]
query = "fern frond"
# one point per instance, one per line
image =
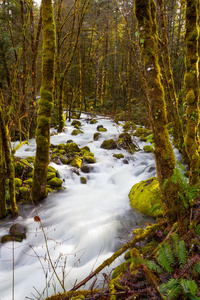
(166, 257)
(197, 230)
(196, 268)
(171, 289)
(182, 254)
(153, 266)
(176, 241)
(184, 200)
(188, 286)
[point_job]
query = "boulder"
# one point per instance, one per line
(76, 122)
(86, 168)
(96, 136)
(83, 180)
(118, 156)
(125, 141)
(55, 182)
(18, 230)
(93, 121)
(72, 148)
(109, 144)
(77, 162)
(145, 196)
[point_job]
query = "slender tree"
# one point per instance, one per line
(164, 155)
(192, 88)
(45, 103)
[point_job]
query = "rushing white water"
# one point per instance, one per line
(84, 224)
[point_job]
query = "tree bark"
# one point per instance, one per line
(45, 104)
(192, 89)
(164, 155)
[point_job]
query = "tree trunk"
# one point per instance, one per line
(45, 104)
(164, 155)
(192, 89)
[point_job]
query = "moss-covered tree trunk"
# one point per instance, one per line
(45, 104)
(4, 147)
(192, 88)
(165, 159)
(3, 208)
(173, 111)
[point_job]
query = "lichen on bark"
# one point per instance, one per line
(191, 81)
(45, 104)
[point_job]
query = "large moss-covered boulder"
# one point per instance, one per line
(109, 144)
(145, 196)
(55, 182)
(125, 141)
(76, 162)
(76, 123)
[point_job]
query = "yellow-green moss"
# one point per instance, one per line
(55, 182)
(77, 162)
(24, 193)
(118, 156)
(72, 148)
(148, 149)
(109, 144)
(145, 197)
(18, 182)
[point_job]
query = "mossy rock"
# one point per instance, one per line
(30, 174)
(129, 126)
(148, 149)
(86, 168)
(24, 194)
(22, 167)
(96, 136)
(55, 182)
(29, 181)
(61, 146)
(51, 169)
(64, 159)
(76, 132)
(93, 121)
(49, 190)
(83, 180)
(76, 122)
(125, 141)
(55, 150)
(77, 162)
(18, 182)
(62, 152)
(85, 149)
(118, 156)
(18, 230)
(145, 196)
(54, 155)
(89, 159)
(50, 175)
(102, 129)
(142, 133)
(30, 159)
(109, 144)
(72, 148)
(10, 238)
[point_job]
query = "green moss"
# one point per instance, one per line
(145, 197)
(9, 238)
(18, 182)
(30, 159)
(72, 148)
(96, 136)
(61, 146)
(54, 155)
(93, 121)
(125, 141)
(102, 129)
(51, 169)
(50, 175)
(148, 149)
(55, 150)
(24, 193)
(129, 126)
(28, 182)
(55, 182)
(76, 122)
(76, 132)
(62, 152)
(85, 149)
(83, 180)
(77, 162)
(90, 159)
(119, 269)
(118, 156)
(109, 144)
(64, 159)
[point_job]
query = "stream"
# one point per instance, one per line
(84, 224)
